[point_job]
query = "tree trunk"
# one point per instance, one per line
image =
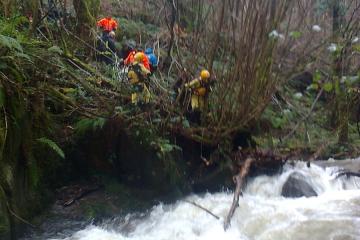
(86, 11)
(168, 59)
(340, 113)
(214, 47)
(7, 7)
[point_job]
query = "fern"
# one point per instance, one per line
(55, 49)
(52, 145)
(99, 123)
(10, 43)
(87, 124)
(23, 55)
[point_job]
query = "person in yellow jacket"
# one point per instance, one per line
(199, 90)
(138, 76)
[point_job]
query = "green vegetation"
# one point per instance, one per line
(66, 117)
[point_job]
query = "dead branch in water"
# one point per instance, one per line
(239, 180)
(202, 208)
(318, 152)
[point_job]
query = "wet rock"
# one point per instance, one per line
(70, 194)
(348, 165)
(295, 187)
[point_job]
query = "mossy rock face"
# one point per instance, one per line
(4, 219)
(141, 165)
(131, 157)
(22, 167)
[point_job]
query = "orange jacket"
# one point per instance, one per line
(146, 62)
(130, 58)
(107, 24)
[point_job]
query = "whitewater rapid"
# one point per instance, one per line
(263, 214)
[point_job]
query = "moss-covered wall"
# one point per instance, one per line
(28, 167)
(129, 156)
(24, 162)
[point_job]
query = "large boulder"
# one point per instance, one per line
(295, 187)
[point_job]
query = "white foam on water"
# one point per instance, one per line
(263, 214)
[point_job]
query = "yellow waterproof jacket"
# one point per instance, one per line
(138, 73)
(199, 86)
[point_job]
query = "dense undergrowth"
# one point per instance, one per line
(51, 101)
(64, 116)
(294, 123)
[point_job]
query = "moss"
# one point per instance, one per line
(4, 218)
(96, 210)
(85, 13)
(130, 29)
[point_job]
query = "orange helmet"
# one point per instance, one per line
(205, 74)
(139, 57)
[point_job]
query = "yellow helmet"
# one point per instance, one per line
(139, 57)
(205, 74)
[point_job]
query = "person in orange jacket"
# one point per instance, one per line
(138, 76)
(145, 60)
(130, 57)
(141, 55)
(107, 24)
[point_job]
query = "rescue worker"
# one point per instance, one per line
(152, 59)
(107, 24)
(129, 60)
(127, 48)
(139, 76)
(144, 59)
(200, 87)
(107, 48)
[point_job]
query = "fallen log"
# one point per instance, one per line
(239, 180)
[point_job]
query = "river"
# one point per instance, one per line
(263, 214)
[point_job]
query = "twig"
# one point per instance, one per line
(81, 195)
(319, 151)
(202, 208)
(305, 117)
(18, 217)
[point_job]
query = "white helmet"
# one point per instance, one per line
(112, 34)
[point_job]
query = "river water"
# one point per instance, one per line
(263, 214)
